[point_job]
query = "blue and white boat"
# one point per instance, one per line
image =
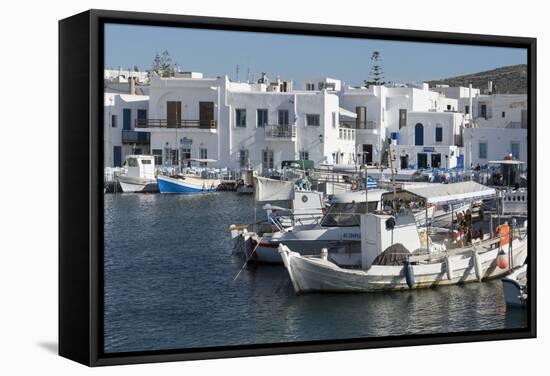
(189, 182)
(186, 184)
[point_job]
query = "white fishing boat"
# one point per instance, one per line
(397, 253)
(515, 287)
(339, 230)
(138, 172)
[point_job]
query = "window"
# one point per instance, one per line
(334, 119)
(283, 117)
(310, 86)
(203, 154)
(113, 121)
(514, 147)
(267, 159)
(240, 114)
(402, 118)
(483, 150)
(141, 114)
(157, 153)
(438, 134)
(503, 114)
(243, 158)
(418, 134)
(466, 109)
(262, 117)
(313, 120)
(361, 120)
(483, 111)
(145, 161)
(449, 108)
(304, 155)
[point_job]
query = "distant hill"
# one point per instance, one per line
(506, 80)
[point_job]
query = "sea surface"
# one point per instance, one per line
(169, 284)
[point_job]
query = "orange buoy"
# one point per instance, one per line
(502, 259)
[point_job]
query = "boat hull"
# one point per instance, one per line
(133, 184)
(310, 274)
(513, 291)
(184, 186)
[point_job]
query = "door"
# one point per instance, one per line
(404, 162)
(185, 157)
(367, 154)
(173, 114)
(422, 159)
(436, 160)
(419, 134)
(206, 114)
(117, 156)
(126, 119)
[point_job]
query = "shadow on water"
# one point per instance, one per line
(169, 284)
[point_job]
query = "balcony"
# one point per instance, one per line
(187, 124)
(133, 137)
(280, 132)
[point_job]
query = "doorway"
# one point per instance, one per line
(436, 160)
(206, 114)
(422, 159)
(173, 114)
(404, 162)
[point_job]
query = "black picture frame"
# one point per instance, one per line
(81, 185)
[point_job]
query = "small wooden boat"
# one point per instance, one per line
(515, 287)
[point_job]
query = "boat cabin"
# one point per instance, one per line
(140, 166)
(346, 208)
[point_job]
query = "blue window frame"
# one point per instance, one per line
(126, 119)
(438, 134)
(483, 150)
(515, 150)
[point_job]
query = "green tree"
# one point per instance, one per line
(376, 73)
(163, 65)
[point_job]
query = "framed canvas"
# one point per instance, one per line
(240, 187)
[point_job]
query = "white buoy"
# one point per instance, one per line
(477, 266)
(324, 254)
(449, 267)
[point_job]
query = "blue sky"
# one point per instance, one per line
(297, 57)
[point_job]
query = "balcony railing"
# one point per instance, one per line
(280, 132)
(369, 124)
(165, 123)
(133, 137)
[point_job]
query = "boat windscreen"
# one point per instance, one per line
(346, 214)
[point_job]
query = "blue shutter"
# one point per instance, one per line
(126, 119)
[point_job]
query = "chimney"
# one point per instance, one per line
(490, 87)
(131, 85)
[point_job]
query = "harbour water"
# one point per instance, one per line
(169, 273)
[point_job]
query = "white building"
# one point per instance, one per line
(409, 115)
(482, 145)
(120, 137)
(261, 124)
(244, 124)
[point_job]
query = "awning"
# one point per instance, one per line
(201, 160)
(347, 113)
(273, 190)
(451, 193)
(508, 162)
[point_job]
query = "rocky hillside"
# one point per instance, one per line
(506, 80)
